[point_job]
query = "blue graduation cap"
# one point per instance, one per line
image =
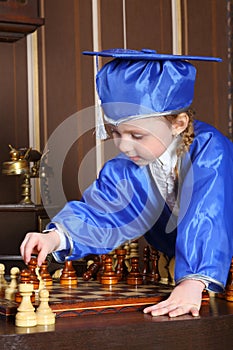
(139, 84)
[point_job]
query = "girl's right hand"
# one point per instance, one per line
(40, 244)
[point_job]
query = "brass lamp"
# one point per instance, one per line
(20, 165)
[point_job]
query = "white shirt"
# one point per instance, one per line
(164, 175)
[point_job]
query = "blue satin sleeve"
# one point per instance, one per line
(119, 206)
(204, 245)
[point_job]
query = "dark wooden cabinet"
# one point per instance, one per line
(19, 18)
(16, 220)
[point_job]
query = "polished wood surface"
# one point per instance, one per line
(18, 18)
(212, 330)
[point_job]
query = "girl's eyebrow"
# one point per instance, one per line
(135, 131)
(129, 131)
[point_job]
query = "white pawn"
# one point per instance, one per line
(44, 314)
(26, 316)
(41, 283)
(13, 287)
(3, 282)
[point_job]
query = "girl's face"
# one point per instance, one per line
(143, 140)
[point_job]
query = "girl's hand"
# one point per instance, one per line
(185, 298)
(39, 243)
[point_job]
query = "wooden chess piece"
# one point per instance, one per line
(41, 282)
(109, 276)
(171, 271)
(44, 314)
(229, 285)
(24, 279)
(13, 286)
(101, 268)
(32, 265)
(25, 316)
(3, 282)
(92, 270)
(134, 277)
(45, 275)
(154, 276)
(127, 257)
(205, 296)
(68, 276)
(120, 267)
(114, 259)
(134, 249)
(146, 263)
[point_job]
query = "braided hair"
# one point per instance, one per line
(187, 135)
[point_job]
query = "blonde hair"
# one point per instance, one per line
(187, 135)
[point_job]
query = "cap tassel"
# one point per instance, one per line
(101, 132)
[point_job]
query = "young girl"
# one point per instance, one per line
(172, 181)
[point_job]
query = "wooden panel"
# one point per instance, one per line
(149, 25)
(18, 18)
(206, 35)
(20, 8)
(69, 81)
(16, 221)
(14, 113)
(111, 24)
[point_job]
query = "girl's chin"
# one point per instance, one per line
(140, 161)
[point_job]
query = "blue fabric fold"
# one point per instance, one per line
(124, 204)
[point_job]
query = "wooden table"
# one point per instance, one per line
(132, 330)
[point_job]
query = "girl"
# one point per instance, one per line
(172, 181)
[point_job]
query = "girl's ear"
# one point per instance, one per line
(179, 124)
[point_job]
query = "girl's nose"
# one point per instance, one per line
(125, 145)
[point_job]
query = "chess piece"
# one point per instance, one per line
(45, 275)
(134, 249)
(120, 267)
(101, 268)
(25, 316)
(32, 265)
(163, 266)
(92, 270)
(127, 257)
(68, 276)
(134, 277)
(24, 279)
(114, 259)
(41, 282)
(109, 276)
(171, 271)
(229, 285)
(154, 276)
(44, 314)
(3, 282)
(13, 286)
(146, 263)
(205, 296)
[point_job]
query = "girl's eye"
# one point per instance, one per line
(137, 136)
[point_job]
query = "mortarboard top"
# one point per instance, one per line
(139, 84)
(147, 54)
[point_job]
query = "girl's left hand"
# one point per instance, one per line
(185, 298)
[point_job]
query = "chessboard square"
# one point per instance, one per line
(63, 295)
(89, 297)
(103, 292)
(125, 294)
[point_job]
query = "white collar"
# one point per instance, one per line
(169, 157)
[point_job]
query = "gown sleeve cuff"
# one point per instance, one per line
(210, 283)
(65, 247)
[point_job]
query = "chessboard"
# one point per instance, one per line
(91, 297)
